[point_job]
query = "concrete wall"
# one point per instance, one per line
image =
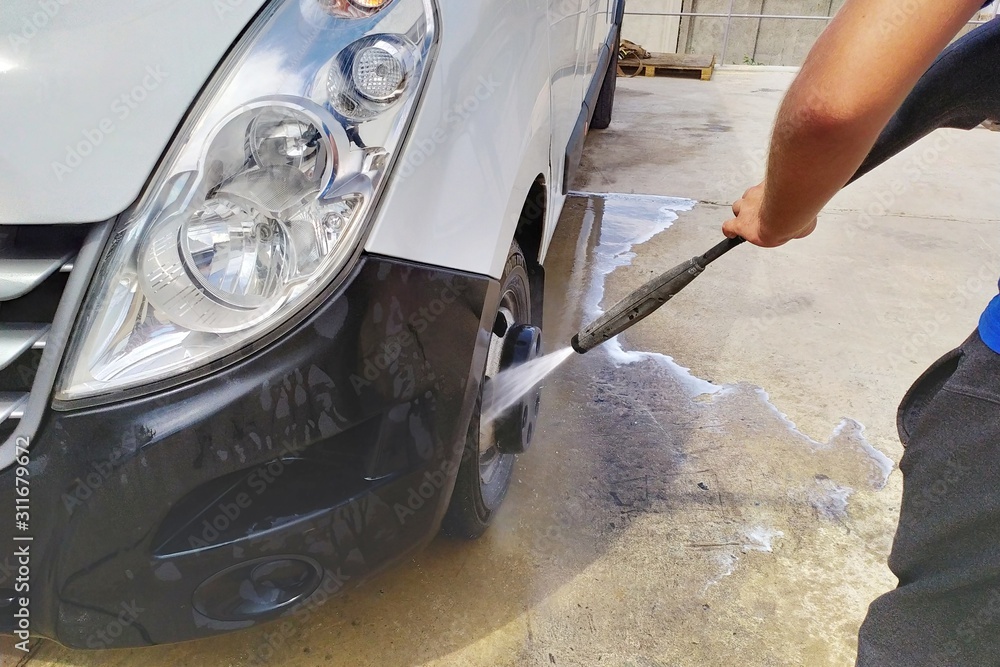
(786, 41)
(764, 41)
(761, 41)
(655, 33)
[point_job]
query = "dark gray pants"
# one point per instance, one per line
(946, 610)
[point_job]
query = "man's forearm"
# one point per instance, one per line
(811, 159)
(857, 75)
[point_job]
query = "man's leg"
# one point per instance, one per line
(946, 610)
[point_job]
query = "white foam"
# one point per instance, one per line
(855, 431)
(830, 499)
(766, 398)
(693, 385)
(882, 462)
(758, 538)
(761, 539)
(726, 561)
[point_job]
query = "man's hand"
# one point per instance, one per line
(752, 224)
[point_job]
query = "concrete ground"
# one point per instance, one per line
(741, 511)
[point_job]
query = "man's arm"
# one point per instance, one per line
(856, 76)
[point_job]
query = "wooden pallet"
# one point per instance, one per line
(670, 64)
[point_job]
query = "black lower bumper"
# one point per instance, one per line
(273, 483)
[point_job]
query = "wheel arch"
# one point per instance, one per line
(530, 236)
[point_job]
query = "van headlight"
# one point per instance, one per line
(263, 198)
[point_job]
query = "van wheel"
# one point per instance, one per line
(488, 459)
(606, 100)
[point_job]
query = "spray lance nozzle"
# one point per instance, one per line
(641, 303)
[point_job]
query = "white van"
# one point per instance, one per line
(257, 259)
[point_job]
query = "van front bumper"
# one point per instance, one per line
(265, 487)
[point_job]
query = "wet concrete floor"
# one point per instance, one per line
(660, 519)
(668, 517)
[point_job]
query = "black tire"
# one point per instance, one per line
(606, 99)
(477, 497)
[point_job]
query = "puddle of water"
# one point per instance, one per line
(620, 223)
(625, 222)
(508, 387)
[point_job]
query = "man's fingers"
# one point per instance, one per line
(729, 228)
(737, 205)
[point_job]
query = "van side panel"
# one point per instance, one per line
(480, 138)
(602, 19)
(500, 108)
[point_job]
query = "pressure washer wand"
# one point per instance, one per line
(641, 303)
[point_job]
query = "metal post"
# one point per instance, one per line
(725, 37)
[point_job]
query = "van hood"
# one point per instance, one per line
(92, 92)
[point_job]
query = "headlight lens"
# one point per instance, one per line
(378, 73)
(264, 197)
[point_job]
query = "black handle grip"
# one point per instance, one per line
(721, 249)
